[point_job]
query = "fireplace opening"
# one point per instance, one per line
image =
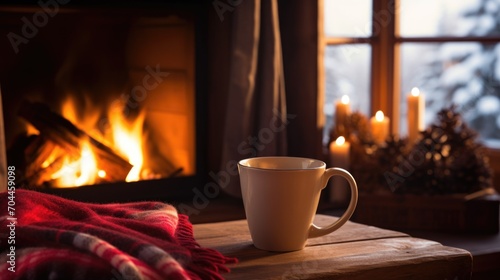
(101, 99)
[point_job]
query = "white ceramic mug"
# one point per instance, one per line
(281, 196)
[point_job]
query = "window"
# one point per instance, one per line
(377, 51)
(348, 53)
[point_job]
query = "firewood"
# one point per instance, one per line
(44, 174)
(70, 138)
(39, 155)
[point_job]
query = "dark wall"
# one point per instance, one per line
(299, 33)
(218, 59)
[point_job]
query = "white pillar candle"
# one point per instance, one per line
(339, 157)
(416, 109)
(380, 127)
(342, 111)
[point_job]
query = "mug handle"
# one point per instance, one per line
(315, 231)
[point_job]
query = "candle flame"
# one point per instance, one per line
(345, 99)
(379, 116)
(340, 141)
(415, 91)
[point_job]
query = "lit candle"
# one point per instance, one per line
(416, 108)
(380, 127)
(339, 157)
(342, 111)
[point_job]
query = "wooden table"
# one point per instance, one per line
(484, 248)
(355, 251)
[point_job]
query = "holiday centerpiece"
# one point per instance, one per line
(439, 179)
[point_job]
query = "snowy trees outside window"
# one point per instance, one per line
(449, 49)
(464, 71)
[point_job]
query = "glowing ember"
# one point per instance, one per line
(101, 174)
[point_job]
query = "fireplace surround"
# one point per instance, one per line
(141, 56)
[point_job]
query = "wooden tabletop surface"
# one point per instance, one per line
(355, 251)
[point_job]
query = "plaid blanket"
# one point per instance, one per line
(47, 237)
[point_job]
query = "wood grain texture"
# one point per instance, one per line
(355, 251)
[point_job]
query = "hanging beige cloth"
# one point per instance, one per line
(255, 123)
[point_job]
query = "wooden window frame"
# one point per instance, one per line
(385, 63)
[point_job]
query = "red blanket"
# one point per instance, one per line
(48, 237)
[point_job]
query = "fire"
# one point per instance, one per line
(79, 172)
(85, 121)
(124, 136)
(127, 138)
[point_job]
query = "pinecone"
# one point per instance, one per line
(388, 158)
(452, 162)
(355, 129)
(363, 165)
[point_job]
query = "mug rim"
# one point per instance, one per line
(322, 163)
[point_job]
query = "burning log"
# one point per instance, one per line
(60, 132)
(42, 160)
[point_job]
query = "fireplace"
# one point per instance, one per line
(104, 104)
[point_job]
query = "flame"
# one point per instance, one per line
(101, 174)
(83, 170)
(415, 91)
(345, 99)
(79, 172)
(379, 116)
(30, 129)
(127, 138)
(340, 141)
(71, 110)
